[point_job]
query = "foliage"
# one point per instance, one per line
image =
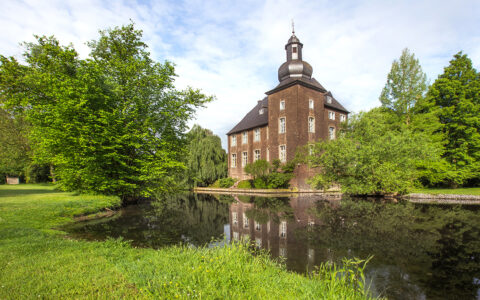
(36, 173)
(456, 191)
(455, 99)
(206, 160)
(226, 182)
(244, 184)
(376, 154)
(406, 84)
(279, 180)
(41, 258)
(258, 169)
(260, 183)
(111, 123)
(14, 146)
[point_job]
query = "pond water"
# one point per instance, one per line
(419, 251)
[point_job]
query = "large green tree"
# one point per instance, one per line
(111, 123)
(406, 84)
(14, 146)
(455, 99)
(206, 160)
(374, 154)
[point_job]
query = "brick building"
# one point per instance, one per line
(298, 111)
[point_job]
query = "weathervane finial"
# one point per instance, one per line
(293, 28)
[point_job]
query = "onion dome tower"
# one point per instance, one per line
(294, 67)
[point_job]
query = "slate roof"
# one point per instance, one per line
(253, 118)
(335, 104)
(288, 82)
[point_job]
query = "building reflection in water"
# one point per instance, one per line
(279, 225)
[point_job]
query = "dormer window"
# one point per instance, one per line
(261, 111)
(294, 52)
(329, 100)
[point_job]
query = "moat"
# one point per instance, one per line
(419, 251)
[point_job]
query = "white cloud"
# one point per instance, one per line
(232, 49)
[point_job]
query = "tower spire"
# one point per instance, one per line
(293, 28)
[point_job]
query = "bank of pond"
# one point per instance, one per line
(231, 246)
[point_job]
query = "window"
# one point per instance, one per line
(268, 155)
(281, 125)
(245, 221)
(282, 105)
(310, 149)
(331, 115)
(311, 255)
(329, 100)
(294, 52)
(343, 118)
(234, 160)
(261, 111)
(311, 124)
(310, 103)
(258, 226)
(283, 229)
(282, 251)
(244, 137)
(236, 236)
(234, 140)
(282, 155)
(256, 155)
(234, 218)
(244, 159)
(331, 133)
(256, 135)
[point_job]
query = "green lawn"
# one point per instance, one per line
(38, 261)
(459, 191)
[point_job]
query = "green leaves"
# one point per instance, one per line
(112, 123)
(455, 99)
(376, 154)
(406, 84)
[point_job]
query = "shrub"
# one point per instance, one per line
(226, 182)
(279, 180)
(260, 183)
(216, 184)
(244, 184)
(258, 168)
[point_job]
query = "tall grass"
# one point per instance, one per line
(38, 261)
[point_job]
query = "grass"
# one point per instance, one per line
(37, 261)
(459, 191)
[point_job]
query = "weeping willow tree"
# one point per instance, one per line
(206, 160)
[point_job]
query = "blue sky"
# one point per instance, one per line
(232, 49)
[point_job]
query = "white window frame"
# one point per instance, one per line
(256, 135)
(282, 126)
(256, 154)
(331, 133)
(343, 118)
(282, 230)
(329, 99)
(260, 111)
(234, 160)
(236, 236)
(282, 104)
(233, 140)
(331, 115)
(245, 221)
(245, 137)
(282, 153)
(234, 218)
(310, 104)
(268, 155)
(311, 124)
(258, 226)
(310, 149)
(244, 158)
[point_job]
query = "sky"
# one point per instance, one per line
(233, 49)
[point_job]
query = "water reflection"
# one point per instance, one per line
(420, 251)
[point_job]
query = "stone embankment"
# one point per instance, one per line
(442, 198)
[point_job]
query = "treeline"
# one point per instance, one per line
(112, 123)
(421, 135)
